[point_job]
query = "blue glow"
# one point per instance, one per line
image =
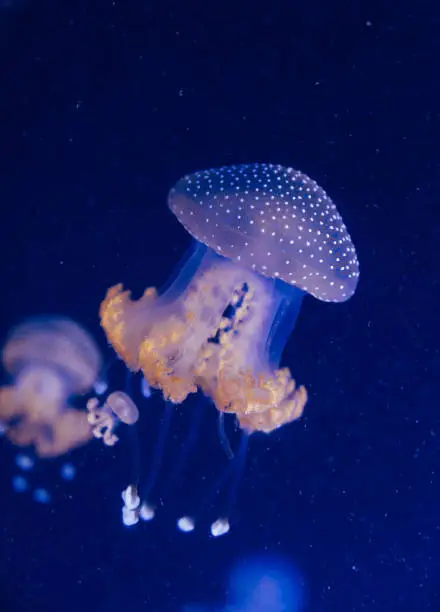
(19, 484)
(260, 584)
(68, 471)
(41, 496)
(265, 584)
(24, 462)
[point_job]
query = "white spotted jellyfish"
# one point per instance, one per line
(264, 237)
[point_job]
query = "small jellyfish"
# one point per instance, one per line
(104, 417)
(123, 407)
(265, 236)
(49, 360)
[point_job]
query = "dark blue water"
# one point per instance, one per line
(103, 108)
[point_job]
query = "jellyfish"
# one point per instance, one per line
(57, 400)
(264, 236)
(50, 361)
(104, 417)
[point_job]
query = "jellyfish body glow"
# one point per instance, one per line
(265, 235)
(265, 584)
(50, 360)
(260, 584)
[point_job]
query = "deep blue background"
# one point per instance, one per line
(102, 107)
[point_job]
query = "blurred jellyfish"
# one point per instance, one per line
(264, 236)
(50, 360)
(261, 584)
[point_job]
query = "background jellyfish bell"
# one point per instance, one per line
(57, 343)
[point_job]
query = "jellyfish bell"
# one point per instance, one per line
(123, 407)
(273, 220)
(50, 360)
(55, 343)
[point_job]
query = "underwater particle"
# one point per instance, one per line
(42, 496)
(19, 484)
(145, 388)
(100, 387)
(24, 462)
(50, 360)
(68, 471)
